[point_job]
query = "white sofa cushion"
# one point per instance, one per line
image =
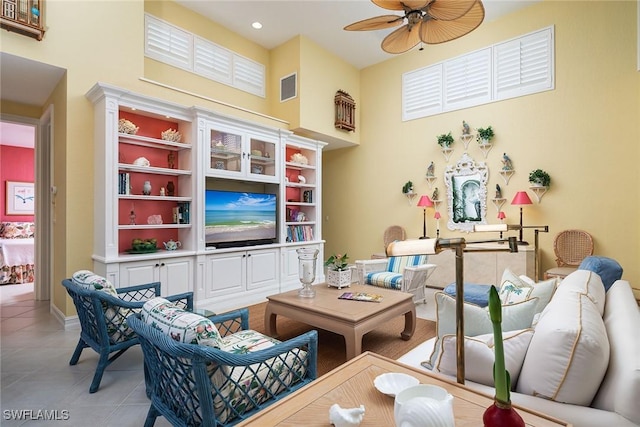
(620, 388)
(585, 282)
(480, 356)
(476, 319)
(542, 290)
(569, 352)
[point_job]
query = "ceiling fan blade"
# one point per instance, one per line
(401, 40)
(433, 31)
(398, 5)
(377, 23)
(447, 10)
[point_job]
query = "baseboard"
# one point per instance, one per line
(70, 322)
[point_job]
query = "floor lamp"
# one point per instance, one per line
(435, 246)
(425, 202)
(521, 198)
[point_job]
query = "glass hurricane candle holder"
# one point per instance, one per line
(307, 258)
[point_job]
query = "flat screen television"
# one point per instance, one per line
(239, 218)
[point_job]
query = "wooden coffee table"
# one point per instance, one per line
(351, 319)
(351, 385)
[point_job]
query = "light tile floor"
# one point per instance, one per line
(35, 374)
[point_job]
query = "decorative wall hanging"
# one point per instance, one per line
(345, 111)
(466, 184)
(20, 198)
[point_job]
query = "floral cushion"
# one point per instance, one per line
(89, 280)
(181, 325)
(274, 374)
(17, 230)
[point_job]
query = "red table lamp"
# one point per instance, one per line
(425, 202)
(521, 198)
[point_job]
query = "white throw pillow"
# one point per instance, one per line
(476, 319)
(479, 356)
(569, 352)
(587, 283)
(542, 290)
(530, 289)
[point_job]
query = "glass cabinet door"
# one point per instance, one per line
(226, 151)
(262, 158)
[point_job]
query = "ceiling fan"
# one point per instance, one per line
(427, 21)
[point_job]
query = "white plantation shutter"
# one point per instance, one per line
(422, 92)
(517, 67)
(167, 43)
(467, 80)
(174, 46)
(248, 75)
(212, 61)
(524, 65)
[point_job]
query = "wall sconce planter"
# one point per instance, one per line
(538, 191)
(345, 111)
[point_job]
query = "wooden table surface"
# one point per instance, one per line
(351, 319)
(351, 385)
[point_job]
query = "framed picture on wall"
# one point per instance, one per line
(20, 198)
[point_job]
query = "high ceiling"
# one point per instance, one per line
(322, 21)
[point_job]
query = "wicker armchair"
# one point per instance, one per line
(199, 385)
(570, 247)
(403, 273)
(103, 317)
(391, 234)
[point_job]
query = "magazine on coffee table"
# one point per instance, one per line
(361, 296)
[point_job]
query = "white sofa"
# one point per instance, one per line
(615, 370)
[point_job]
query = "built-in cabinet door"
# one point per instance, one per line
(225, 274)
(174, 274)
(262, 268)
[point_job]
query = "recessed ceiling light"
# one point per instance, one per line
(256, 25)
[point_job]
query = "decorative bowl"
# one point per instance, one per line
(393, 383)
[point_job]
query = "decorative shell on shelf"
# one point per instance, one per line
(171, 135)
(299, 158)
(126, 126)
(142, 161)
(345, 417)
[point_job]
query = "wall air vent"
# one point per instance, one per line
(288, 87)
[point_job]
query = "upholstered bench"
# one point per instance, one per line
(474, 293)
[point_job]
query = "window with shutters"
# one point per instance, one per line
(517, 67)
(172, 45)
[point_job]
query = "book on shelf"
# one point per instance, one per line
(299, 233)
(124, 183)
(361, 296)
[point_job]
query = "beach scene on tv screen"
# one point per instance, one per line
(235, 216)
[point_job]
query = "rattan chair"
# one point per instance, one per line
(391, 234)
(198, 385)
(570, 247)
(103, 320)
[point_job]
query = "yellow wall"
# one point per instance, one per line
(584, 133)
(285, 60)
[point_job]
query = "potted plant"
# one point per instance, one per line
(539, 178)
(338, 272)
(407, 188)
(485, 136)
(445, 140)
(501, 413)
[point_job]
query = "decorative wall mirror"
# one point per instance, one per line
(466, 184)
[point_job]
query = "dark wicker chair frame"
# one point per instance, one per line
(180, 375)
(103, 320)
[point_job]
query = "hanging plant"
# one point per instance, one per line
(540, 178)
(445, 140)
(485, 135)
(407, 187)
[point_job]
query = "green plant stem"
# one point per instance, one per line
(500, 375)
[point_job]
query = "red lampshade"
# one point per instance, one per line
(425, 202)
(437, 215)
(521, 198)
(501, 215)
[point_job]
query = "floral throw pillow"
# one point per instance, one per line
(89, 280)
(181, 325)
